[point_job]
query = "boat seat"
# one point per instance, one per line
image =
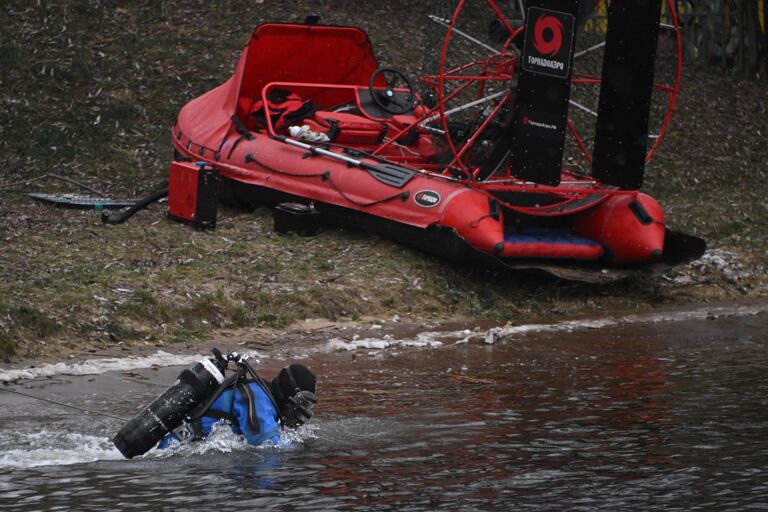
(285, 108)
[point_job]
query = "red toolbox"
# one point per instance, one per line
(193, 190)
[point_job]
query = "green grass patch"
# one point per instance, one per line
(7, 347)
(32, 321)
(23, 323)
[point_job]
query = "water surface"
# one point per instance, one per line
(642, 416)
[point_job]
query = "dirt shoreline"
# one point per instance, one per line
(152, 287)
(84, 103)
(309, 335)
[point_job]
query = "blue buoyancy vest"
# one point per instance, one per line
(251, 414)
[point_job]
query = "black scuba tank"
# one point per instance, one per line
(167, 411)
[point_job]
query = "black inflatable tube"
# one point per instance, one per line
(119, 218)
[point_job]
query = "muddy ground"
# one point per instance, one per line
(89, 90)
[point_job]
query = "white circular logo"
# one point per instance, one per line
(427, 198)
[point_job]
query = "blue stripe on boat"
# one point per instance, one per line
(546, 236)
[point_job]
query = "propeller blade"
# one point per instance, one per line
(621, 135)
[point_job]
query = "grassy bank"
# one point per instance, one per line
(89, 90)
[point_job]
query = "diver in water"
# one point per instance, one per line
(254, 408)
(201, 396)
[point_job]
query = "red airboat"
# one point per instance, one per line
(514, 150)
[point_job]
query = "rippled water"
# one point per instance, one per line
(667, 416)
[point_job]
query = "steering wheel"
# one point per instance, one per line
(390, 100)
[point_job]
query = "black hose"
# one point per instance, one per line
(119, 218)
(263, 384)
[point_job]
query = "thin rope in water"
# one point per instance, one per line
(83, 409)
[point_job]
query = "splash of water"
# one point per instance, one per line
(47, 448)
(223, 440)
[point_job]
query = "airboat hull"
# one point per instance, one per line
(447, 245)
(397, 189)
(608, 231)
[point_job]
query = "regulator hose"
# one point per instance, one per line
(119, 218)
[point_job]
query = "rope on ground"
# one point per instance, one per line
(70, 406)
(55, 176)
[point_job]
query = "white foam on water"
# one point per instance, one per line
(220, 440)
(97, 366)
(422, 340)
(223, 440)
(47, 448)
(340, 345)
(291, 438)
(426, 339)
(58, 448)
(646, 318)
(432, 339)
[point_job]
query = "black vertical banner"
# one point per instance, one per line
(765, 32)
(544, 86)
(621, 136)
